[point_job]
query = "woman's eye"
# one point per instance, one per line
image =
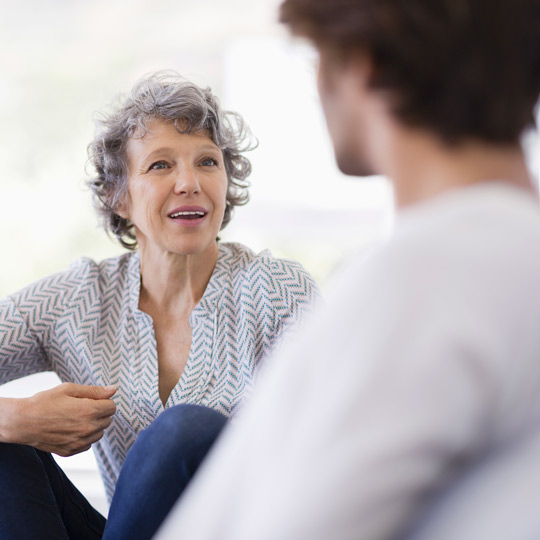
(158, 165)
(209, 162)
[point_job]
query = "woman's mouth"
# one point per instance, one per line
(188, 215)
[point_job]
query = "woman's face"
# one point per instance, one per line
(177, 187)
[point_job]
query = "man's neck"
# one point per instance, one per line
(421, 167)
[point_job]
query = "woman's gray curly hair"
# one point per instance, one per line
(167, 96)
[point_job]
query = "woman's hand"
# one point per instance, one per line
(65, 420)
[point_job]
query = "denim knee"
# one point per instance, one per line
(37, 500)
(17, 458)
(183, 424)
(15, 452)
(158, 467)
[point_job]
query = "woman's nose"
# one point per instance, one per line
(186, 182)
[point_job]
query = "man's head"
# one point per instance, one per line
(460, 69)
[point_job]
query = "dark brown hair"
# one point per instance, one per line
(461, 68)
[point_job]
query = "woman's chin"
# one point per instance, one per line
(191, 247)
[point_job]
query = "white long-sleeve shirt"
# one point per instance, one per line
(410, 407)
(85, 324)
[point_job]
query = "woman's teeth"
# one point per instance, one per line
(189, 215)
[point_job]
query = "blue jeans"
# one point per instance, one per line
(37, 500)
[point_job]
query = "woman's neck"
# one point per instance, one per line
(174, 283)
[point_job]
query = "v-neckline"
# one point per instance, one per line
(202, 314)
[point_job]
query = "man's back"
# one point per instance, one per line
(411, 408)
(408, 409)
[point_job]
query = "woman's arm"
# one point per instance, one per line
(21, 346)
(294, 295)
(66, 419)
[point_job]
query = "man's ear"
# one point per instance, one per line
(336, 65)
(359, 70)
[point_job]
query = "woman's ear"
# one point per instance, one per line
(122, 208)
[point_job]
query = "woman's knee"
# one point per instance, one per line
(21, 464)
(17, 456)
(181, 431)
(186, 421)
(21, 470)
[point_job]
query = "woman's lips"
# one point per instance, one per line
(188, 215)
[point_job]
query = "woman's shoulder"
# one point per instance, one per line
(112, 268)
(82, 278)
(256, 266)
(241, 258)
(86, 273)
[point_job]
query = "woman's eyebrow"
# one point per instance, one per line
(160, 150)
(164, 149)
(210, 147)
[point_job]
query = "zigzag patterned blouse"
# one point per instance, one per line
(85, 325)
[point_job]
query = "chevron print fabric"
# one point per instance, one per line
(85, 325)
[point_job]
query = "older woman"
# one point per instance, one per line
(174, 330)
